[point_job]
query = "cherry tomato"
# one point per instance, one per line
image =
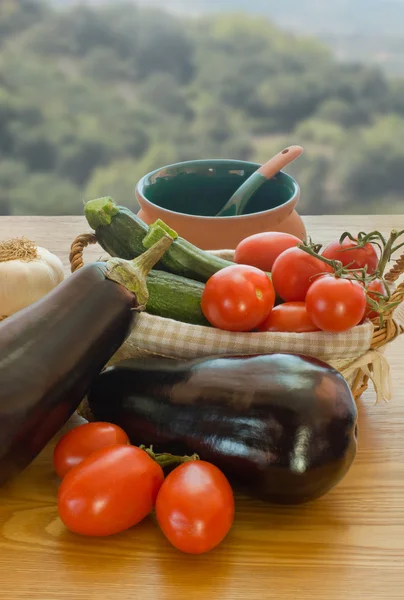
(357, 258)
(110, 491)
(378, 286)
(293, 273)
(82, 441)
(195, 507)
(336, 304)
(238, 298)
(291, 317)
(262, 249)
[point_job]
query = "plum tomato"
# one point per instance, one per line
(112, 490)
(195, 507)
(291, 317)
(80, 442)
(262, 249)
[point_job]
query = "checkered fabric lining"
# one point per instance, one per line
(181, 340)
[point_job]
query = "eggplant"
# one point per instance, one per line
(52, 350)
(282, 427)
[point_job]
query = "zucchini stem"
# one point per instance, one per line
(99, 212)
(157, 230)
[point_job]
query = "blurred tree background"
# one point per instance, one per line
(93, 97)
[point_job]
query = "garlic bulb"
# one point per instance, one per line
(27, 272)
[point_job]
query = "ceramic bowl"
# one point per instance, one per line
(188, 195)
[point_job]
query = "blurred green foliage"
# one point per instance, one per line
(91, 99)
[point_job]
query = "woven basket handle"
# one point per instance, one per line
(396, 270)
(390, 330)
(77, 249)
(395, 273)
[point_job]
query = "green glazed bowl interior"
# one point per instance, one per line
(202, 187)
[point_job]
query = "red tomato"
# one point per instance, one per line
(110, 491)
(238, 298)
(357, 258)
(378, 286)
(293, 273)
(82, 441)
(195, 507)
(336, 304)
(262, 249)
(291, 317)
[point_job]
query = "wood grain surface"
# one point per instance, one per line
(348, 545)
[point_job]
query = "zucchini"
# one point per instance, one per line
(118, 230)
(175, 297)
(121, 233)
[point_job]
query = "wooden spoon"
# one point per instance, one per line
(237, 203)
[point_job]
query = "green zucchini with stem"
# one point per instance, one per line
(123, 234)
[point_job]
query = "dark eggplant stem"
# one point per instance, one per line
(167, 460)
(132, 273)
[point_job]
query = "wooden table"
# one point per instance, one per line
(348, 545)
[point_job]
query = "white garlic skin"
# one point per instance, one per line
(23, 282)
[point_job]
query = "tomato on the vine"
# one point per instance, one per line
(294, 271)
(195, 507)
(336, 304)
(112, 490)
(352, 257)
(262, 249)
(291, 317)
(375, 287)
(80, 442)
(238, 298)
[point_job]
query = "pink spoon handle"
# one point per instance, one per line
(279, 161)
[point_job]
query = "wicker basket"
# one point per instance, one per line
(368, 363)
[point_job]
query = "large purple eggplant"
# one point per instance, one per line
(50, 351)
(282, 426)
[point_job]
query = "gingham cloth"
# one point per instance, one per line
(181, 340)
